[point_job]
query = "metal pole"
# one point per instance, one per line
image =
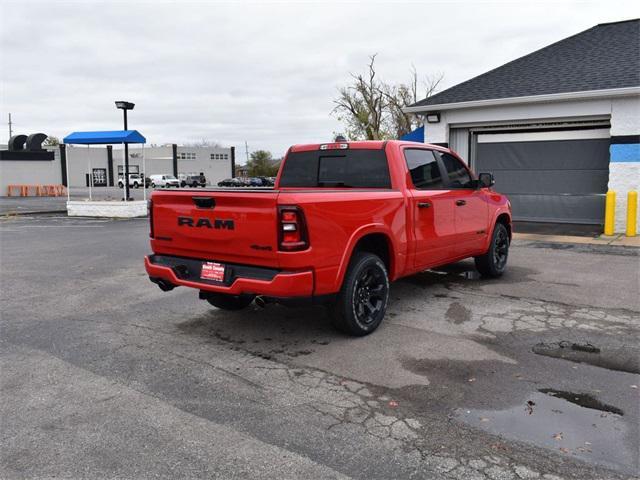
(144, 176)
(126, 160)
(66, 166)
(123, 182)
(90, 173)
(10, 129)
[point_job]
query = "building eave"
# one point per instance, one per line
(553, 97)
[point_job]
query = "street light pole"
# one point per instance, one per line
(126, 106)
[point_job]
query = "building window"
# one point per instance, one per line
(219, 156)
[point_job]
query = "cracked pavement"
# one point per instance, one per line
(105, 376)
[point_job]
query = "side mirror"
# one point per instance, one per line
(486, 180)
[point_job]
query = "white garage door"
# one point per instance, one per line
(549, 176)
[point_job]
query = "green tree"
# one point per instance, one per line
(51, 141)
(262, 164)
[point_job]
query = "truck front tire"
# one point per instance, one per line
(494, 263)
(362, 301)
(229, 302)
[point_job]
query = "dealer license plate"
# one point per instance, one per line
(212, 271)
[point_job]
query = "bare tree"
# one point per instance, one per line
(51, 141)
(373, 110)
(204, 143)
(361, 106)
(399, 97)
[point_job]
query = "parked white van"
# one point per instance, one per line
(164, 181)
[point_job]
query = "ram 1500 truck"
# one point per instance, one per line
(342, 221)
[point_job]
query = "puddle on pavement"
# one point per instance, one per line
(583, 400)
(572, 424)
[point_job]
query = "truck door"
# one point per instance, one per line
(431, 209)
(470, 206)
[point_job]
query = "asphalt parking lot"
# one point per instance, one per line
(534, 375)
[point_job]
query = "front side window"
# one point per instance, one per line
(456, 171)
(423, 166)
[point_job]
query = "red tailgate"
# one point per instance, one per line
(236, 226)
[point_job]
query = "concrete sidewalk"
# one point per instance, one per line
(619, 239)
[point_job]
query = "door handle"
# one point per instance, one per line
(460, 202)
(424, 205)
(204, 202)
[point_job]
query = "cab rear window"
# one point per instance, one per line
(339, 168)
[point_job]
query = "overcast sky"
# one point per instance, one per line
(264, 72)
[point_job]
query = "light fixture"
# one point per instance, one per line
(125, 105)
(433, 117)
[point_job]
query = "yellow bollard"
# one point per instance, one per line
(610, 213)
(632, 213)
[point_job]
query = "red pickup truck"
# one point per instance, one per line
(342, 221)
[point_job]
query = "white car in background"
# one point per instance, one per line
(164, 181)
(135, 181)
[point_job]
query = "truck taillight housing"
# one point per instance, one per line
(150, 208)
(292, 229)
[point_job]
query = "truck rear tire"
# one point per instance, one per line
(494, 263)
(362, 301)
(229, 302)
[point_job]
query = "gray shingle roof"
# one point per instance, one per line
(603, 57)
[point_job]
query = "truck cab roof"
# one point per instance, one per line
(360, 145)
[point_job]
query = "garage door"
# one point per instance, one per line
(552, 176)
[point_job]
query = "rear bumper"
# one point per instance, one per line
(175, 271)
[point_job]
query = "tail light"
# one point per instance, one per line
(150, 208)
(292, 229)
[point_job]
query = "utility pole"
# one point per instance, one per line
(10, 129)
(246, 150)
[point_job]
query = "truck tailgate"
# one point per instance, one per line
(234, 226)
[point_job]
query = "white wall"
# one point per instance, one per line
(82, 160)
(214, 169)
(30, 172)
(159, 160)
(624, 176)
(504, 114)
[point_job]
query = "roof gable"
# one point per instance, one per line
(603, 57)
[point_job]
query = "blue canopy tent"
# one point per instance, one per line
(416, 135)
(105, 138)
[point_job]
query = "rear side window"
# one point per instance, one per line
(456, 171)
(424, 169)
(339, 168)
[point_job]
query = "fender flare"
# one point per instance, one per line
(494, 220)
(356, 236)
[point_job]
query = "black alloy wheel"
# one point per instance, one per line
(362, 301)
(370, 294)
(494, 262)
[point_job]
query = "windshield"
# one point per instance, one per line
(336, 168)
